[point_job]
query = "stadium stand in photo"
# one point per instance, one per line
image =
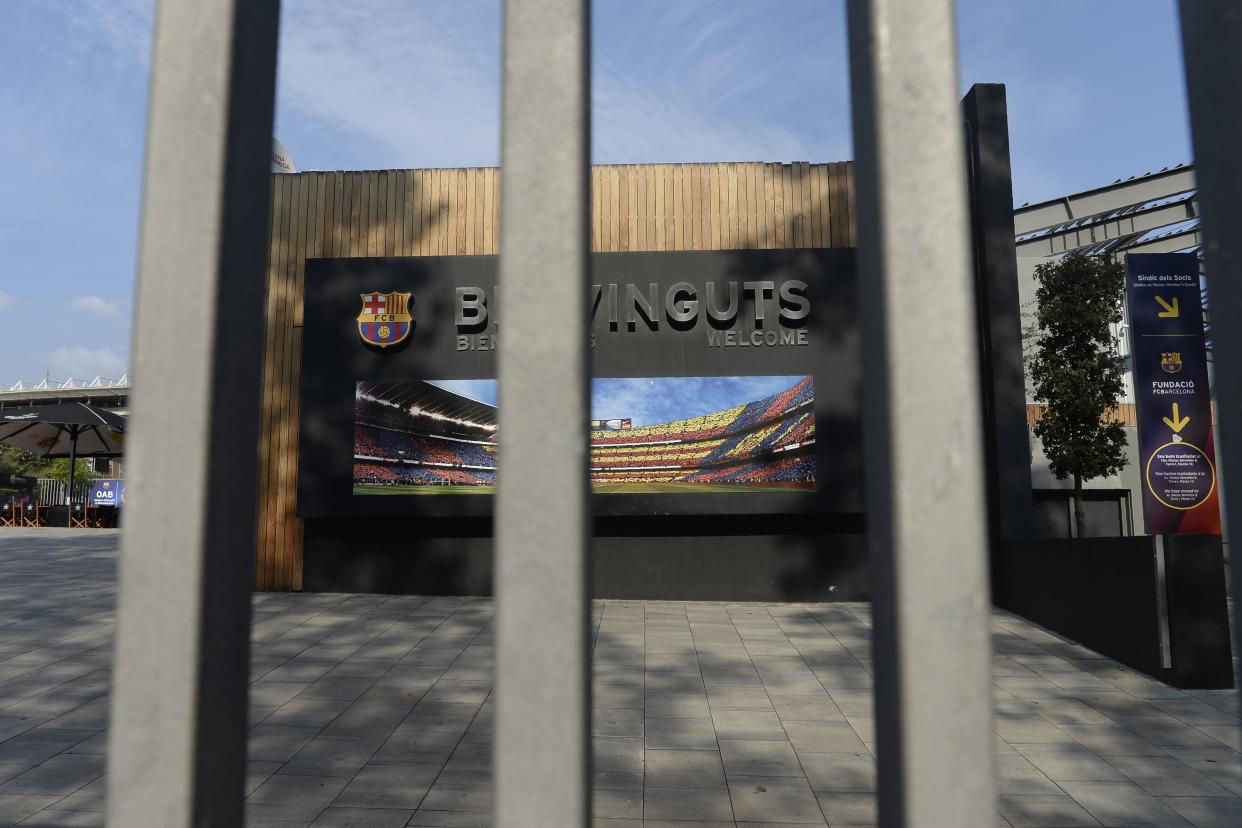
(414, 434)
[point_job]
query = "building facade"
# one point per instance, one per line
(1157, 212)
(455, 212)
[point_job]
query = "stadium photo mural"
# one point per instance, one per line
(649, 435)
(725, 385)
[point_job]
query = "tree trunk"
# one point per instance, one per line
(1080, 517)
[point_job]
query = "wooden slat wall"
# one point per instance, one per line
(1125, 412)
(457, 212)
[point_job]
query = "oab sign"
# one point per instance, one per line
(1173, 402)
(106, 493)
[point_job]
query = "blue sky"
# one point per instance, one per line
(652, 400)
(1095, 93)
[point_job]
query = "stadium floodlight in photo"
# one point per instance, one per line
(681, 434)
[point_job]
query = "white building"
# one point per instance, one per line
(1155, 212)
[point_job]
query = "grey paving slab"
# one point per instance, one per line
(1028, 730)
(747, 724)
(1016, 775)
(378, 710)
(363, 818)
(388, 786)
(617, 803)
(774, 799)
(1166, 776)
(1207, 811)
(617, 721)
(297, 796)
(16, 807)
(460, 791)
(1063, 763)
(278, 743)
(87, 798)
(757, 758)
(1044, 810)
(684, 769)
(1122, 804)
(328, 756)
(426, 818)
(687, 804)
(617, 754)
(54, 818)
(738, 698)
(309, 713)
(59, 776)
(840, 772)
(675, 705)
(847, 808)
(683, 734)
(824, 737)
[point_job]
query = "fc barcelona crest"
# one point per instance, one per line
(1171, 362)
(385, 319)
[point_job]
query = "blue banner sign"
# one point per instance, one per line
(106, 493)
(1172, 398)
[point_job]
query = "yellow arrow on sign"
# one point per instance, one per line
(1177, 423)
(1171, 311)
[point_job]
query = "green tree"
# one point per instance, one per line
(1076, 369)
(16, 461)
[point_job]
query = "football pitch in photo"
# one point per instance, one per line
(606, 488)
(423, 490)
(682, 488)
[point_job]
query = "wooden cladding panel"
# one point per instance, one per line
(1124, 413)
(446, 212)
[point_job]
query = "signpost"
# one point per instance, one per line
(1173, 401)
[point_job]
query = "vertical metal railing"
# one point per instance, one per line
(177, 745)
(1212, 49)
(542, 752)
(178, 718)
(924, 463)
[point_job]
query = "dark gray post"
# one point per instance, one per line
(73, 462)
(1212, 48)
(1007, 447)
(177, 742)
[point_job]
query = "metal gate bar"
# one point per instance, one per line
(177, 750)
(178, 719)
(922, 420)
(1212, 49)
(542, 753)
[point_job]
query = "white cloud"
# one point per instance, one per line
(82, 362)
(634, 123)
(372, 84)
(698, 80)
(5, 299)
(126, 23)
(94, 305)
(415, 89)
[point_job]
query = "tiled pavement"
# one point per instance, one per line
(376, 711)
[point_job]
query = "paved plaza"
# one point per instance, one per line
(377, 711)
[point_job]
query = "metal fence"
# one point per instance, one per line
(177, 750)
(52, 492)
